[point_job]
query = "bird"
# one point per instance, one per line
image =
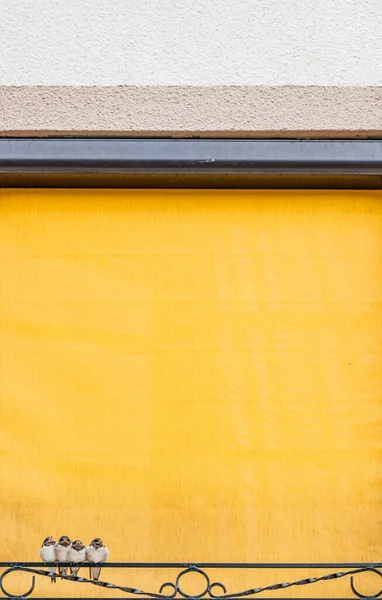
(76, 555)
(96, 552)
(47, 555)
(61, 550)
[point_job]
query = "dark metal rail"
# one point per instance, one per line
(209, 588)
(150, 156)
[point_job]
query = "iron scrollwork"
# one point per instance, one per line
(209, 588)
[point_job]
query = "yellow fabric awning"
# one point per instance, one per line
(191, 375)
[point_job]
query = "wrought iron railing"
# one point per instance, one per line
(209, 588)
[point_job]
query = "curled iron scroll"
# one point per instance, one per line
(216, 584)
(356, 592)
(178, 590)
(8, 594)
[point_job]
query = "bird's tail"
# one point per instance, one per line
(96, 572)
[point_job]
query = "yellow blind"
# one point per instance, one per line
(192, 376)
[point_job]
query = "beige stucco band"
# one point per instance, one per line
(176, 111)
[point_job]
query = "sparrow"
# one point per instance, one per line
(76, 555)
(96, 552)
(61, 549)
(47, 555)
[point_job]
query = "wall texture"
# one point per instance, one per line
(178, 42)
(217, 67)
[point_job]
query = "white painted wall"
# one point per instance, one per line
(191, 42)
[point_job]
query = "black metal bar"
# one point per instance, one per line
(153, 156)
(207, 565)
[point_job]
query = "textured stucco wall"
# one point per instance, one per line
(220, 111)
(62, 62)
(191, 42)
